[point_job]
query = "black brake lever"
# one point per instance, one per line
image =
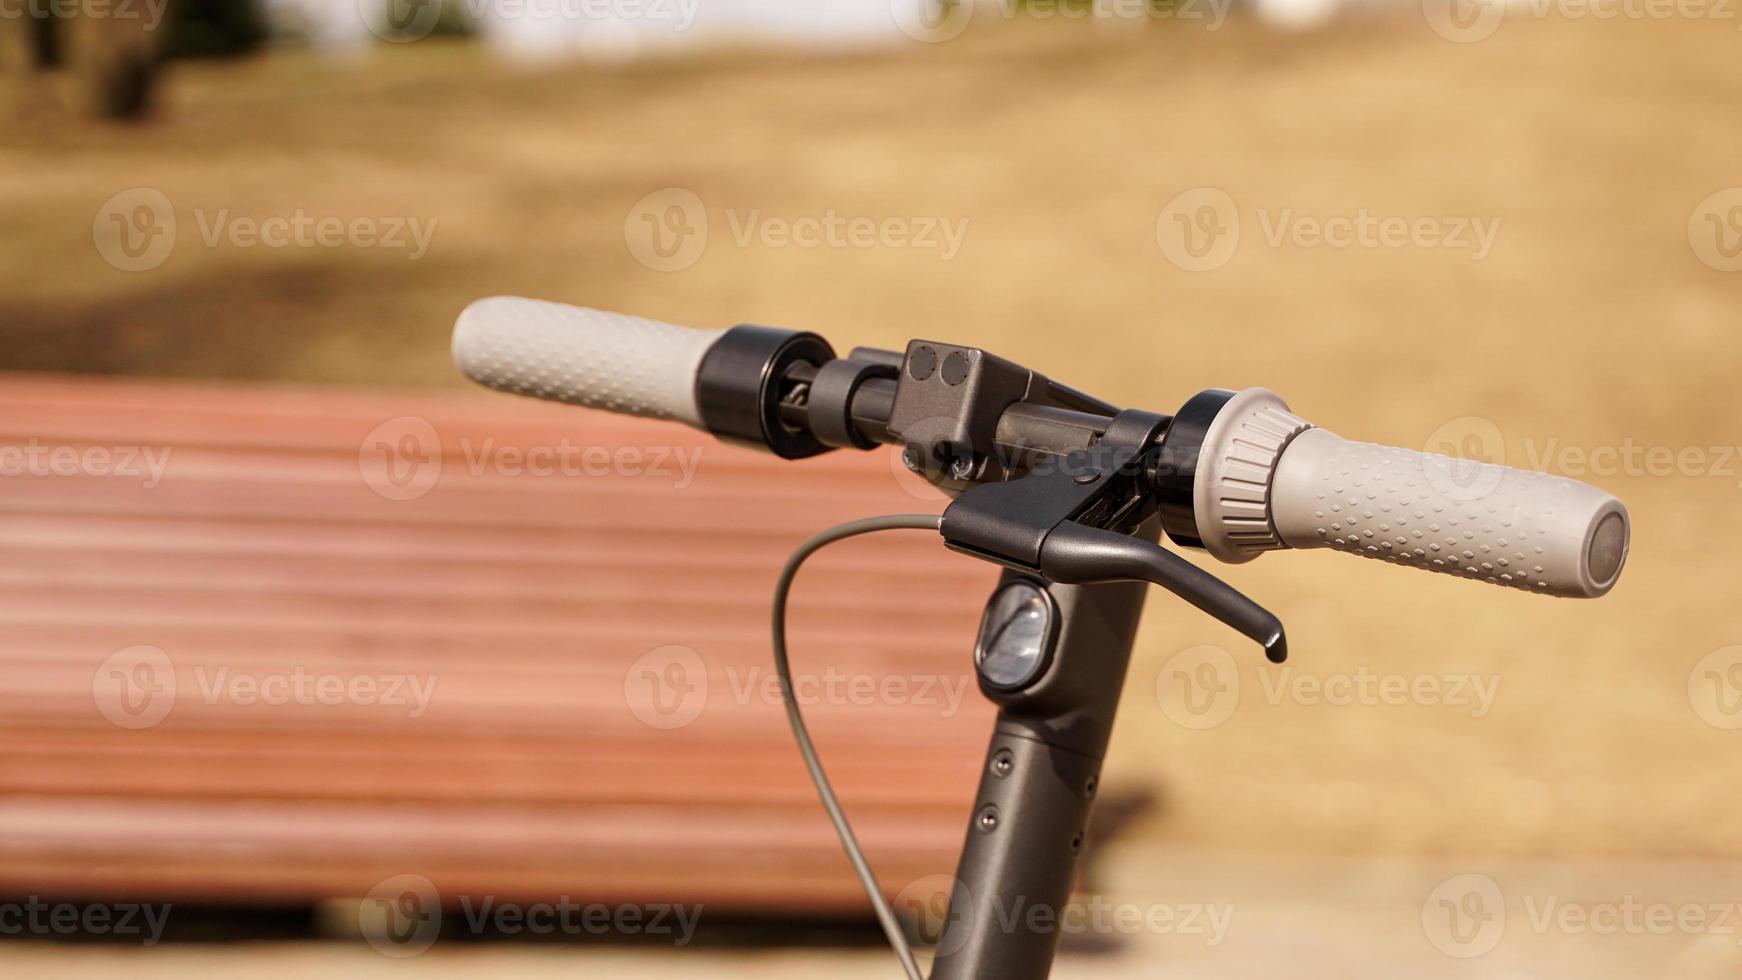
(1074, 554)
(1072, 521)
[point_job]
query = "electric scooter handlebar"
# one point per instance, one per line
(578, 356)
(1235, 473)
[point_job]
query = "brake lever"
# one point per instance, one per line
(1071, 523)
(1074, 554)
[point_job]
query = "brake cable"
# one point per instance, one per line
(850, 843)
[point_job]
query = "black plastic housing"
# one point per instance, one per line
(743, 381)
(1176, 464)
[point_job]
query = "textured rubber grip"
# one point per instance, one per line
(1502, 525)
(580, 356)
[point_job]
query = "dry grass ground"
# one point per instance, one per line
(1590, 323)
(1187, 917)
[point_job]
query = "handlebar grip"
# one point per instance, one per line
(1508, 526)
(582, 356)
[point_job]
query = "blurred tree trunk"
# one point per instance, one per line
(108, 64)
(23, 54)
(113, 63)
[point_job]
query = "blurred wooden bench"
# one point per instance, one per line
(540, 607)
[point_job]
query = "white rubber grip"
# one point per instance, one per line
(1502, 525)
(580, 356)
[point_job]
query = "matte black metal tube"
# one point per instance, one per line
(1031, 812)
(872, 402)
(1023, 431)
(1020, 862)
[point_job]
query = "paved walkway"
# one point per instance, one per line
(1193, 917)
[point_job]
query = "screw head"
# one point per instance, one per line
(987, 821)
